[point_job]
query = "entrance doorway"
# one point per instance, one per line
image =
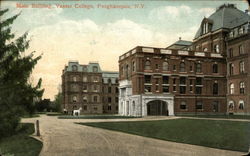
(157, 107)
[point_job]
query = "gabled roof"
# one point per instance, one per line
(226, 16)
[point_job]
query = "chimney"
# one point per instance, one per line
(246, 11)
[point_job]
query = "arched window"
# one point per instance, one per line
(109, 80)
(215, 88)
(215, 68)
(84, 98)
(216, 48)
(231, 105)
(205, 49)
(165, 66)
(133, 106)
(74, 68)
(241, 104)
(231, 69)
(74, 99)
(147, 65)
(182, 67)
(74, 78)
(242, 87)
(231, 88)
(127, 71)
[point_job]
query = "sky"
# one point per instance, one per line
(61, 31)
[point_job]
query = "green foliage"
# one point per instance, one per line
(58, 102)
(17, 94)
(230, 135)
(21, 144)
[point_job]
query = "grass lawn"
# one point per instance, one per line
(21, 144)
(230, 135)
(95, 117)
(245, 117)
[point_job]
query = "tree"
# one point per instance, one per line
(58, 102)
(17, 94)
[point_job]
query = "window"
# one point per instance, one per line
(109, 107)
(95, 79)
(231, 52)
(157, 81)
(84, 78)
(199, 105)
(190, 82)
(74, 68)
(241, 50)
(231, 105)
(191, 88)
(84, 88)
(231, 69)
(116, 99)
(109, 90)
(241, 104)
(95, 69)
(95, 108)
(156, 66)
(116, 90)
(241, 30)
(205, 49)
(215, 88)
(231, 88)
(74, 99)
(95, 88)
(74, 78)
(157, 88)
(198, 68)
(116, 80)
(147, 78)
(165, 80)
(95, 98)
(215, 68)
(190, 68)
(215, 106)
(133, 66)
(242, 67)
(84, 98)
(231, 34)
(85, 107)
(242, 87)
(182, 89)
(147, 65)
(133, 106)
(174, 67)
(182, 80)
(74, 88)
(183, 105)
(198, 81)
(198, 90)
(109, 81)
(165, 89)
(109, 99)
(147, 89)
(174, 88)
(216, 48)
(182, 67)
(127, 71)
(165, 66)
(174, 80)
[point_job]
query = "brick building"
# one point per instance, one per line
(90, 88)
(206, 76)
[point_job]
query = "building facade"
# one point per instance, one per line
(206, 76)
(88, 87)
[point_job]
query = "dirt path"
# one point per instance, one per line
(61, 137)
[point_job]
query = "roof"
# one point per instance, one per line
(180, 44)
(226, 16)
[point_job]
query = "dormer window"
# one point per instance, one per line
(231, 34)
(216, 48)
(74, 68)
(95, 69)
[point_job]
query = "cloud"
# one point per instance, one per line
(206, 11)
